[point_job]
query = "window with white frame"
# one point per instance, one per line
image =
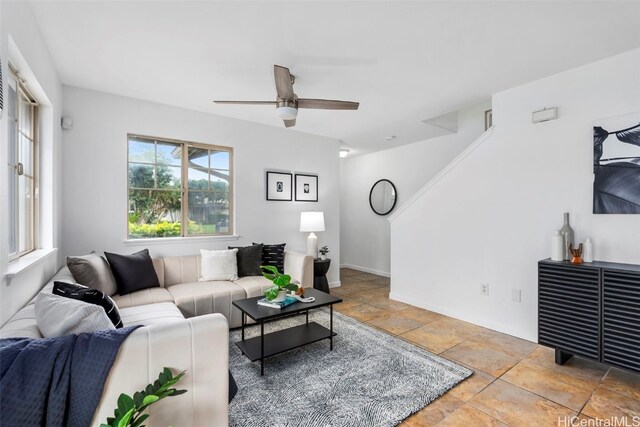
(22, 118)
(178, 188)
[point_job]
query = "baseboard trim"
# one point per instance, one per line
(335, 284)
(366, 270)
(496, 326)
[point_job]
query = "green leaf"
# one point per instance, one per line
(282, 281)
(124, 421)
(270, 268)
(140, 420)
(137, 398)
(125, 403)
(272, 293)
(148, 400)
(292, 287)
(178, 392)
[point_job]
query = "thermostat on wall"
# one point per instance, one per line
(544, 115)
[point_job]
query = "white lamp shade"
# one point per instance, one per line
(311, 221)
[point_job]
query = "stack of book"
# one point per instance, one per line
(266, 303)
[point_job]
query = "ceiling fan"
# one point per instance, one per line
(287, 102)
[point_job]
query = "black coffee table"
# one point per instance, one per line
(259, 348)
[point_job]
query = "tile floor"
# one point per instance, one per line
(515, 382)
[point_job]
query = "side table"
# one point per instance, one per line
(320, 268)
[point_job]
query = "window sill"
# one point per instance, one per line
(174, 240)
(28, 261)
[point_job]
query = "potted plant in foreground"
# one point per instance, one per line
(281, 284)
(323, 252)
(130, 410)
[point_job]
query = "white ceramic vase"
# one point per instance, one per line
(282, 295)
(557, 246)
(587, 256)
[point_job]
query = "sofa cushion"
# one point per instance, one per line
(254, 286)
(181, 269)
(158, 265)
(151, 314)
(133, 272)
(92, 296)
(145, 296)
(219, 265)
(22, 325)
(57, 316)
(273, 255)
(198, 298)
(249, 260)
(93, 272)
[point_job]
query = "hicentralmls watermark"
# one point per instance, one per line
(574, 421)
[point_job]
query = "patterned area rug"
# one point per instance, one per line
(369, 379)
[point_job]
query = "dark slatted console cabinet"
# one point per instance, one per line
(590, 310)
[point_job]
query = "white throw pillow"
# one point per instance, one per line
(219, 265)
(57, 315)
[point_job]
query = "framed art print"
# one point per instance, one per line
(279, 186)
(616, 165)
(306, 188)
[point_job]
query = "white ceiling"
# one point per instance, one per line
(405, 62)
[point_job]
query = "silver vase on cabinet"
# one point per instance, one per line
(567, 235)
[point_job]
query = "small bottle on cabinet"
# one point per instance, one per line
(557, 246)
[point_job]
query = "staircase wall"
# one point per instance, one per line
(490, 217)
(365, 236)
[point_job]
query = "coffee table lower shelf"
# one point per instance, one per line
(284, 340)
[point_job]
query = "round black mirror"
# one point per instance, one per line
(382, 197)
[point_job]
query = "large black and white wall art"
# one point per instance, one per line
(616, 165)
(279, 186)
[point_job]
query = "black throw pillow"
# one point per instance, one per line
(273, 255)
(133, 272)
(91, 296)
(249, 260)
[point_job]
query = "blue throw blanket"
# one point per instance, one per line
(55, 381)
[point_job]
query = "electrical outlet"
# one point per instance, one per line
(484, 289)
(516, 295)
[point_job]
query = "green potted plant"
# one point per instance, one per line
(281, 284)
(323, 252)
(130, 410)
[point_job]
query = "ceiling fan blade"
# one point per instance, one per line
(284, 84)
(327, 104)
(289, 123)
(247, 102)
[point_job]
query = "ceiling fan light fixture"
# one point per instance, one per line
(287, 113)
(344, 153)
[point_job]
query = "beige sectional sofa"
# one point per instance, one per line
(185, 327)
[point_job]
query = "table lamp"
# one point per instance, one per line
(310, 222)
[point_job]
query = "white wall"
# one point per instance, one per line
(366, 236)
(491, 218)
(95, 175)
(21, 41)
